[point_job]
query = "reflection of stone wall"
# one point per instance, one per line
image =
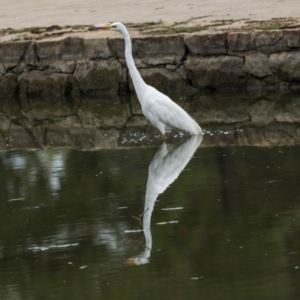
(94, 65)
(113, 122)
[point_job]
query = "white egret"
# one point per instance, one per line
(164, 168)
(158, 108)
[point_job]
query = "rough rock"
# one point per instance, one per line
(241, 41)
(11, 53)
(117, 46)
(48, 51)
(72, 48)
(57, 137)
(257, 64)
(103, 113)
(30, 56)
(262, 112)
(67, 67)
(82, 138)
(5, 122)
(206, 43)
(47, 108)
(10, 106)
(292, 38)
(2, 70)
(97, 48)
(9, 85)
(17, 137)
(219, 109)
(287, 110)
(46, 84)
(217, 72)
(106, 139)
(286, 65)
(158, 50)
(165, 80)
(99, 77)
(270, 41)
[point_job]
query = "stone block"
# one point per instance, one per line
(45, 84)
(257, 64)
(241, 41)
(103, 113)
(9, 84)
(215, 71)
(72, 48)
(30, 56)
(11, 53)
(48, 51)
(99, 77)
(158, 50)
(165, 80)
(270, 41)
(292, 37)
(206, 43)
(286, 65)
(262, 112)
(96, 48)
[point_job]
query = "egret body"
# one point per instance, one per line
(158, 108)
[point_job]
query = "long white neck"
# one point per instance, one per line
(137, 80)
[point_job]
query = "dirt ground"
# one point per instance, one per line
(30, 13)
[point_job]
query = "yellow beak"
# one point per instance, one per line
(100, 26)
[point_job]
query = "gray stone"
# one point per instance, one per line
(286, 65)
(10, 107)
(292, 38)
(72, 48)
(262, 112)
(5, 122)
(117, 46)
(241, 41)
(67, 67)
(99, 77)
(48, 51)
(217, 72)
(287, 110)
(97, 48)
(106, 139)
(160, 50)
(45, 84)
(57, 137)
(45, 108)
(165, 80)
(220, 108)
(270, 41)
(17, 137)
(206, 43)
(2, 70)
(103, 113)
(257, 64)
(82, 138)
(11, 53)
(30, 56)
(9, 84)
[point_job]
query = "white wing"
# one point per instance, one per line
(158, 107)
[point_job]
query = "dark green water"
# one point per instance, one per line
(227, 228)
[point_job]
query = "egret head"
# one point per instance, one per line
(116, 26)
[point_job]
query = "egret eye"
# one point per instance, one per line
(114, 26)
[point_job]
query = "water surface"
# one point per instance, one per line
(225, 224)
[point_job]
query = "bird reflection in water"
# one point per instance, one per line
(165, 167)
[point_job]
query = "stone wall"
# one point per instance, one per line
(94, 66)
(227, 119)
